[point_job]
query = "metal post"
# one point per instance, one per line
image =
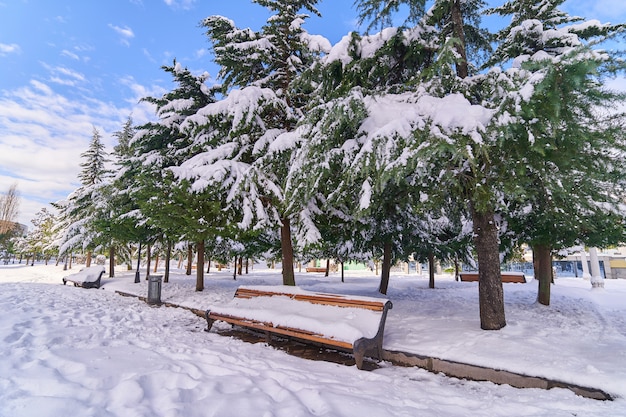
(137, 278)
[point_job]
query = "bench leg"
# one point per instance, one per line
(209, 321)
(358, 350)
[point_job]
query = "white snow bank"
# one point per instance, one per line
(70, 352)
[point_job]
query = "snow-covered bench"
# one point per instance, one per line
(88, 277)
(349, 323)
(516, 277)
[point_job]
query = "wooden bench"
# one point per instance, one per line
(515, 277)
(315, 269)
(87, 277)
(349, 323)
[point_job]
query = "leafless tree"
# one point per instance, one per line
(9, 209)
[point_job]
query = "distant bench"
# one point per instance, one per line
(349, 323)
(315, 269)
(516, 277)
(88, 277)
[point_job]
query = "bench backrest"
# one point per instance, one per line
(315, 298)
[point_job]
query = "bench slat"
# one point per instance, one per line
(286, 331)
(316, 299)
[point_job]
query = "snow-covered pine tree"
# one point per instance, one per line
(562, 127)
(372, 213)
(41, 239)
(416, 140)
(80, 211)
(247, 135)
(107, 223)
(167, 205)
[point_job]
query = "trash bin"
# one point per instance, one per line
(154, 289)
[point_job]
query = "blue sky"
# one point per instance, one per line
(69, 65)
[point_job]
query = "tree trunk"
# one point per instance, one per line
(208, 266)
(88, 261)
(189, 258)
(247, 265)
(384, 276)
(327, 267)
(462, 69)
(431, 270)
(235, 269)
(112, 261)
(148, 255)
(168, 258)
(287, 253)
(490, 293)
(240, 266)
(456, 268)
(200, 266)
(156, 262)
(342, 271)
(543, 272)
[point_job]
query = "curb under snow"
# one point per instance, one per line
(456, 369)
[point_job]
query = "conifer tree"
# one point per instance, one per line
(567, 133)
(246, 135)
(163, 206)
(80, 211)
(435, 155)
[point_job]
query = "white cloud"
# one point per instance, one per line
(125, 33)
(43, 133)
(9, 48)
(69, 54)
(613, 11)
(201, 52)
(64, 76)
(180, 4)
(148, 55)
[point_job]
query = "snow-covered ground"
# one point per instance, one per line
(69, 351)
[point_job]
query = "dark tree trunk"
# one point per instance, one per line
(456, 268)
(462, 69)
(287, 253)
(200, 266)
(543, 272)
(168, 258)
(189, 259)
(490, 293)
(112, 261)
(431, 270)
(137, 277)
(235, 269)
(240, 266)
(384, 276)
(342, 271)
(88, 261)
(148, 255)
(208, 267)
(247, 265)
(327, 267)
